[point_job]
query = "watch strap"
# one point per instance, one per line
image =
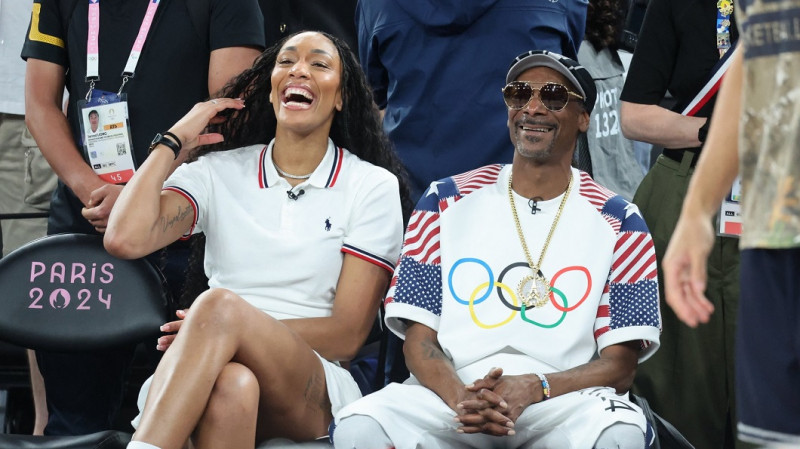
(162, 139)
(702, 133)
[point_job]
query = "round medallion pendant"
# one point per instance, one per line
(534, 290)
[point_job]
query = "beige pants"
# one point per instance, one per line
(26, 183)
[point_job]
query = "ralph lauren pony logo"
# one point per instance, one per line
(328, 224)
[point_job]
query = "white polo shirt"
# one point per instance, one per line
(284, 255)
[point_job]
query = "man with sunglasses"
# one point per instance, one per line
(526, 295)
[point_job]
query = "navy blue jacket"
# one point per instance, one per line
(437, 67)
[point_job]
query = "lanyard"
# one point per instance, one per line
(93, 50)
(711, 87)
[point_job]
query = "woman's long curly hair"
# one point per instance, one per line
(604, 22)
(357, 127)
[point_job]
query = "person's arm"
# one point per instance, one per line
(650, 76)
(654, 124)
(44, 89)
(359, 291)
(684, 262)
(226, 63)
(145, 218)
(476, 407)
(371, 239)
(428, 363)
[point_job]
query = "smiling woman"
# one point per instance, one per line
(299, 196)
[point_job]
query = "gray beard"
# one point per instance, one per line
(534, 155)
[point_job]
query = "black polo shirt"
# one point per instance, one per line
(676, 51)
(172, 74)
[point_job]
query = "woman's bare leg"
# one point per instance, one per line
(221, 327)
(229, 420)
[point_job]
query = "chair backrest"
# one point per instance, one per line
(66, 293)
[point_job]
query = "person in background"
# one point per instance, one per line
(682, 48)
(611, 155)
(286, 17)
(27, 179)
(755, 132)
(436, 67)
(175, 69)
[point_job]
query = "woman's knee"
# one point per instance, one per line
(216, 306)
(235, 395)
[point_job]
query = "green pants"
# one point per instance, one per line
(689, 381)
(27, 183)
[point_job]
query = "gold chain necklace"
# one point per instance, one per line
(539, 291)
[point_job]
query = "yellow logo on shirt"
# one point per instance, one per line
(38, 36)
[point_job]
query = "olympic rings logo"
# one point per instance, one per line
(483, 291)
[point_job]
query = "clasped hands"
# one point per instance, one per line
(492, 405)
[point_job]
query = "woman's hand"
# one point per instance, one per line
(190, 128)
(172, 328)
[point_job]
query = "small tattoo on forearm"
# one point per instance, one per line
(432, 351)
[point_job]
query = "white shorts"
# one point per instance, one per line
(342, 389)
(413, 416)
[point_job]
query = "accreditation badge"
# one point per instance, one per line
(106, 136)
(730, 212)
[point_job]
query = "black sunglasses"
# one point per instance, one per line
(554, 96)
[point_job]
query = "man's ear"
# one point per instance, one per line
(583, 120)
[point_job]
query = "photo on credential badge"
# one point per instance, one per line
(93, 118)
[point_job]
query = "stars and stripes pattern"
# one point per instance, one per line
(630, 296)
(419, 268)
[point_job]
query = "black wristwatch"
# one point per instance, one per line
(172, 142)
(702, 133)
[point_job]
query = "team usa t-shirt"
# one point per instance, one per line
(462, 260)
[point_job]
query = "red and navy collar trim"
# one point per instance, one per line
(336, 167)
(262, 171)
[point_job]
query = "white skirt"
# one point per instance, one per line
(342, 388)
